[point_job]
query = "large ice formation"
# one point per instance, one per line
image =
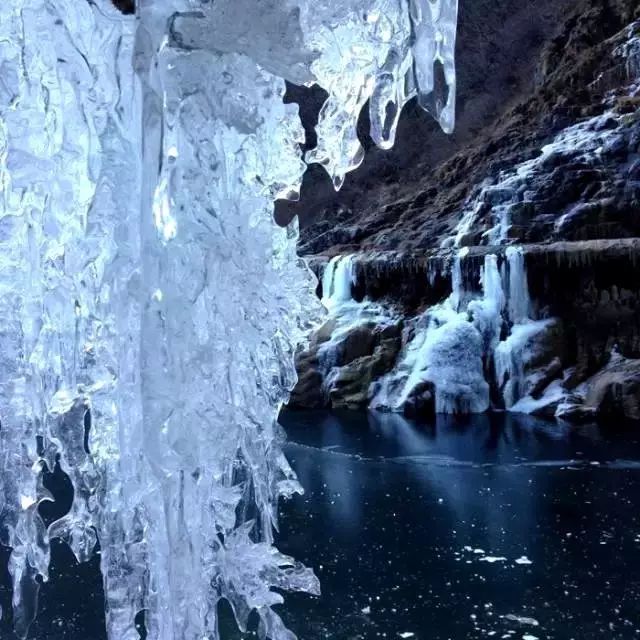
(149, 306)
(463, 345)
(446, 352)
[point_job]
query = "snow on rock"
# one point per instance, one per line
(502, 199)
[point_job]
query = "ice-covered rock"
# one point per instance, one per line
(357, 343)
(612, 392)
(518, 357)
(445, 357)
(616, 389)
(522, 196)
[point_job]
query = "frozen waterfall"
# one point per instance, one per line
(337, 280)
(444, 359)
(462, 346)
(148, 303)
(513, 354)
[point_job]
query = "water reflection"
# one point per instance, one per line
(460, 528)
(480, 439)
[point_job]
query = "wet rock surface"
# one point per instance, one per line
(614, 392)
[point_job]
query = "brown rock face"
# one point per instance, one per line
(309, 390)
(341, 377)
(397, 208)
(615, 391)
(594, 287)
(350, 387)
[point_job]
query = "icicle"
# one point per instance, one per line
(457, 280)
(492, 283)
(487, 313)
(519, 304)
(435, 43)
(338, 278)
(327, 279)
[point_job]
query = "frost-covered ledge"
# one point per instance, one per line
(149, 302)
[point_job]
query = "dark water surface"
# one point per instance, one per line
(491, 527)
(488, 527)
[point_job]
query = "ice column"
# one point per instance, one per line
(519, 300)
(337, 281)
(69, 249)
(512, 356)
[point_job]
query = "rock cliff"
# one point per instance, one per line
(503, 269)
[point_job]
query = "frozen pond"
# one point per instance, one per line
(490, 527)
(497, 527)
